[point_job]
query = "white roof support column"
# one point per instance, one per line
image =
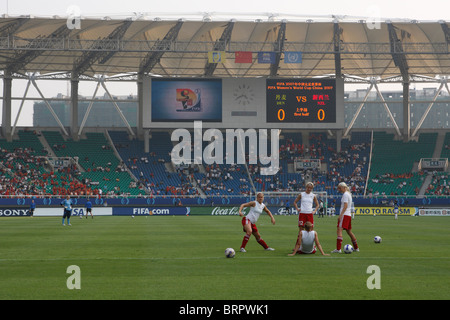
(388, 111)
(102, 82)
(20, 108)
(406, 111)
(6, 110)
(358, 110)
(424, 116)
(140, 111)
(33, 81)
(74, 107)
(83, 122)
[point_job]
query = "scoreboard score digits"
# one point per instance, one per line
(301, 100)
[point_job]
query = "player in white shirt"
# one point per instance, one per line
(306, 212)
(345, 218)
(307, 241)
(248, 221)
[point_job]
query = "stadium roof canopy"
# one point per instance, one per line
(173, 47)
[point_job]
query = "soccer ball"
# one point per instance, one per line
(377, 239)
(348, 248)
(229, 252)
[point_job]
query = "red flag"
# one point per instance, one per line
(243, 57)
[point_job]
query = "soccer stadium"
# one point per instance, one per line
(222, 109)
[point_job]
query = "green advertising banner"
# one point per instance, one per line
(217, 211)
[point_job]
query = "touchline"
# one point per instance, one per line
(213, 153)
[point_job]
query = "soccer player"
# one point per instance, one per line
(32, 207)
(306, 212)
(88, 207)
(306, 240)
(248, 221)
(67, 204)
(345, 218)
(396, 209)
(288, 209)
(321, 208)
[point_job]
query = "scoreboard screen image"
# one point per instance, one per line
(301, 100)
(186, 100)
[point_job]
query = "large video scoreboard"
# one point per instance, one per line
(282, 103)
(301, 100)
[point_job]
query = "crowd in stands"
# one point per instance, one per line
(223, 180)
(440, 184)
(24, 171)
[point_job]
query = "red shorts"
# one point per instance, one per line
(305, 217)
(345, 223)
(246, 221)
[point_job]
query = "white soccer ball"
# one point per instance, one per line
(229, 253)
(377, 239)
(348, 248)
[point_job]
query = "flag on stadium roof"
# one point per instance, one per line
(243, 57)
(266, 57)
(292, 57)
(216, 56)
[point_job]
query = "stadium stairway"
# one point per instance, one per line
(426, 184)
(117, 154)
(438, 150)
(36, 175)
(45, 144)
(150, 167)
(97, 159)
(199, 189)
(439, 145)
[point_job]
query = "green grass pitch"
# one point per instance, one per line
(182, 258)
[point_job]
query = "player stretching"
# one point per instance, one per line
(345, 218)
(248, 222)
(306, 240)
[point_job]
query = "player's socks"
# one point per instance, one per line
(263, 243)
(339, 243)
(355, 244)
(245, 240)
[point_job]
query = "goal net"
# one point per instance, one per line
(285, 200)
